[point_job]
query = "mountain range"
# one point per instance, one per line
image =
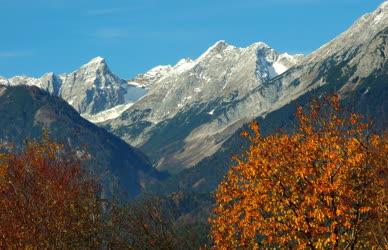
(196, 91)
(184, 117)
(91, 89)
(187, 117)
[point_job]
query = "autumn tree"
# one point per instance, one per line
(47, 200)
(322, 186)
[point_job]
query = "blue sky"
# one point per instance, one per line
(37, 36)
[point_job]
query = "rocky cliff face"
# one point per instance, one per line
(191, 94)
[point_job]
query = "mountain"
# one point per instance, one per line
(91, 89)
(354, 65)
(182, 118)
(26, 110)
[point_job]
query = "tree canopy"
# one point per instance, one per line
(47, 200)
(322, 186)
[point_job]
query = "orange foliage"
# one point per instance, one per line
(324, 186)
(46, 199)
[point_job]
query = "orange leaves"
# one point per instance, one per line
(364, 210)
(244, 134)
(3, 170)
(316, 187)
(254, 126)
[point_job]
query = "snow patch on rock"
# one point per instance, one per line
(107, 114)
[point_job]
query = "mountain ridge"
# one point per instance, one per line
(196, 91)
(91, 89)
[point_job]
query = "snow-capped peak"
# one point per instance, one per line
(182, 62)
(158, 70)
(23, 80)
(95, 63)
(384, 5)
(97, 59)
(48, 74)
(183, 65)
(216, 48)
(151, 76)
(221, 49)
(218, 44)
(157, 73)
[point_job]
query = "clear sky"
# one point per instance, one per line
(38, 36)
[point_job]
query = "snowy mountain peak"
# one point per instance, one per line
(269, 62)
(157, 73)
(219, 44)
(22, 80)
(158, 70)
(91, 89)
(183, 61)
(384, 5)
(49, 74)
(97, 60)
(216, 48)
(153, 75)
(95, 63)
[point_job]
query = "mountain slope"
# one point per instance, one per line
(357, 71)
(26, 110)
(165, 123)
